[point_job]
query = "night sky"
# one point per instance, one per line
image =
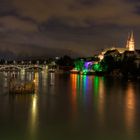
(71, 27)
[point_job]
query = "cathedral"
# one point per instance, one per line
(130, 46)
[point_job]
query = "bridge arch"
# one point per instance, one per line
(33, 67)
(10, 66)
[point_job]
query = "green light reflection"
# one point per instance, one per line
(78, 84)
(96, 85)
(84, 81)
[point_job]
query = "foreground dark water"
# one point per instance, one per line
(71, 107)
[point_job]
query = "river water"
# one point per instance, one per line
(71, 107)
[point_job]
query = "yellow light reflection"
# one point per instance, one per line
(36, 81)
(101, 101)
(44, 79)
(33, 118)
(130, 104)
(34, 102)
(34, 110)
(22, 74)
(74, 85)
(74, 95)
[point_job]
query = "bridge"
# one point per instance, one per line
(20, 67)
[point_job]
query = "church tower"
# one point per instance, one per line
(130, 42)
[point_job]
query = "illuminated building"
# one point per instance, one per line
(130, 46)
(130, 43)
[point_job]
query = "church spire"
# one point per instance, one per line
(132, 36)
(130, 42)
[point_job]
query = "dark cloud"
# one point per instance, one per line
(6, 8)
(88, 2)
(137, 10)
(12, 23)
(78, 27)
(132, 1)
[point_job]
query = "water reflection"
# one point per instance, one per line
(96, 85)
(51, 83)
(22, 75)
(36, 81)
(44, 79)
(81, 95)
(5, 82)
(52, 79)
(34, 109)
(75, 86)
(33, 117)
(101, 98)
(84, 83)
(130, 107)
(83, 105)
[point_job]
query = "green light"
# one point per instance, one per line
(79, 64)
(100, 67)
(84, 71)
(97, 67)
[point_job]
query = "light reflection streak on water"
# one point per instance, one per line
(22, 75)
(44, 82)
(78, 84)
(33, 116)
(52, 78)
(96, 86)
(5, 80)
(87, 89)
(101, 100)
(84, 85)
(44, 78)
(96, 90)
(130, 104)
(52, 83)
(34, 111)
(74, 93)
(36, 80)
(81, 85)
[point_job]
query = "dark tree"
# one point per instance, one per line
(65, 63)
